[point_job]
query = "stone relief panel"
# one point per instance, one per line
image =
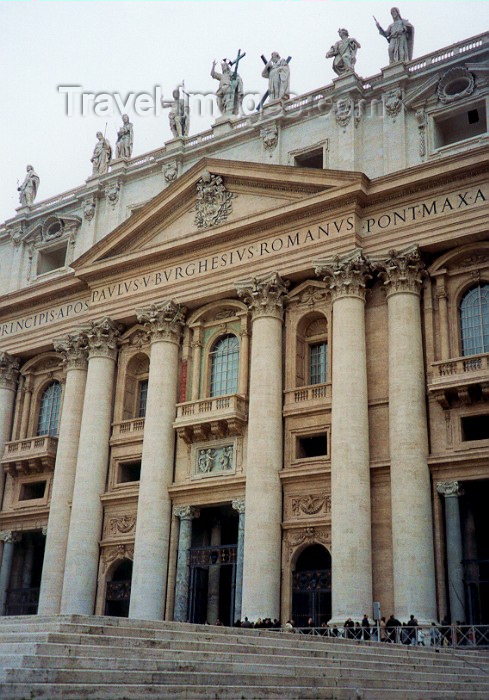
(455, 84)
(303, 506)
(305, 536)
(214, 201)
(118, 525)
(110, 554)
(218, 459)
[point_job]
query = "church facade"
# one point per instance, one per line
(247, 374)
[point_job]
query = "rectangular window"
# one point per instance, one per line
(475, 427)
(32, 490)
(49, 260)
(311, 159)
(318, 358)
(312, 446)
(128, 472)
(142, 399)
(460, 125)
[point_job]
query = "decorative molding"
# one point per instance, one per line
(311, 504)
(88, 207)
(170, 171)
(343, 110)
(9, 370)
(306, 535)
(186, 512)
(421, 119)
(449, 488)
(112, 192)
(122, 524)
(264, 296)
(346, 275)
(114, 552)
(214, 203)
(393, 102)
(455, 84)
(269, 137)
(10, 536)
(402, 271)
(163, 321)
(239, 504)
(74, 350)
(102, 338)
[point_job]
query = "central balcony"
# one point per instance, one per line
(211, 418)
(306, 399)
(31, 456)
(127, 431)
(465, 379)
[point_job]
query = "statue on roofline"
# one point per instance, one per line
(28, 189)
(179, 116)
(400, 36)
(344, 53)
(125, 138)
(230, 93)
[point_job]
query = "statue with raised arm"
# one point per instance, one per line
(229, 94)
(125, 138)
(102, 154)
(28, 189)
(277, 70)
(179, 116)
(344, 53)
(400, 36)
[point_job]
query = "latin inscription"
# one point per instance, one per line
(43, 318)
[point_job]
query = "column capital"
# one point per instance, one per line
(402, 271)
(265, 295)
(9, 370)
(186, 512)
(239, 505)
(10, 536)
(449, 488)
(102, 338)
(74, 349)
(346, 275)
(163, 321)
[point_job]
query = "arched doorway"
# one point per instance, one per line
(311, 586)
(118, 590)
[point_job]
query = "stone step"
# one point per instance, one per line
(365, 674)
(398, 654)
(249, 677)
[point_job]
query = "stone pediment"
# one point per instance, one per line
(209, 198)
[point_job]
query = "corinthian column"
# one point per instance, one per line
(186, 515)
(148, 590)
(350, 472)
(451, 491)
(412, 524)
(82, 553)
(9, 370)
(73, 348)
(262, 541)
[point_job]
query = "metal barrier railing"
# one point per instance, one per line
(455, 636)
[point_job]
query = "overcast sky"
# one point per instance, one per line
(131, 47)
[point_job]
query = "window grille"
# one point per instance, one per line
(225, 366)
(474, 321)
(49, 410)
(318, 357)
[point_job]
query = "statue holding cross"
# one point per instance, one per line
(277, 70)
(230, 91)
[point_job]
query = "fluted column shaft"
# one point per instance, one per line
(9, 370)
(350, 472)
(186, 515)
(412, 520)
(152, 539)
(262, 541)
(73, 349)
(82, 553)
(456, 592)
(239, 505)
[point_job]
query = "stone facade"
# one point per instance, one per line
(241, 387)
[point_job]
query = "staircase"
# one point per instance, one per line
(76, 657)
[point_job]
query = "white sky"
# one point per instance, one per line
(132, 46)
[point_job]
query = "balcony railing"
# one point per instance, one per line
(308, 397)
(128, 430)
(462, 378)
(30, 456)
(218, 416)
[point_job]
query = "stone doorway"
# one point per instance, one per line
(25, 576)
(212, 561)
(118, 589)
(311, 586)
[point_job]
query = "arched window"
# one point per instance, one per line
(224, 366)
(474, 320)
(49, 410)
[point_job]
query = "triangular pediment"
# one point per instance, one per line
(178, 214)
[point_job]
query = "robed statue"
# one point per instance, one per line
(344, 53)
(125, 138)
(400, 36)
(229, 94)
(28, 189)
(277, 70)
(102, 154)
